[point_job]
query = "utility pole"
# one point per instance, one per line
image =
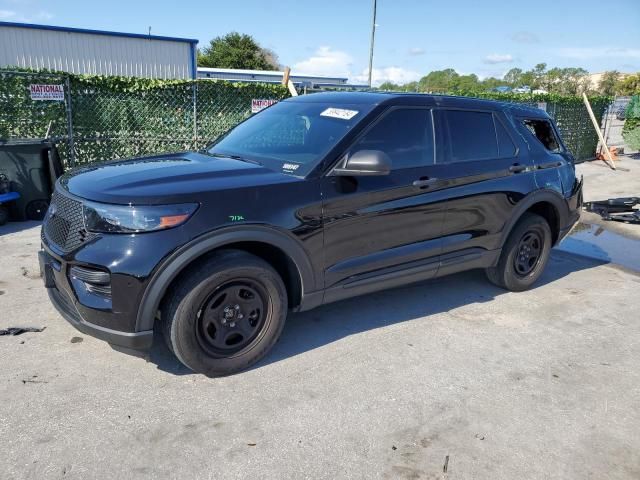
(373, 37)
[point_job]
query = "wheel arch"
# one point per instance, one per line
(549, 204)
(290, 260)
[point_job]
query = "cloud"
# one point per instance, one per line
(498, 58)
(396, 75)
(417, 51)
(7, 14)
(525, 37)
(13, 16)
(44, 16)
(336, 63)
(585, 53)
(325, 61)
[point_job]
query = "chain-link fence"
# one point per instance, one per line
(98, 119)
(23, 117)
(104, 118)
(613, 124)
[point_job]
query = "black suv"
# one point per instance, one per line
(315, 199)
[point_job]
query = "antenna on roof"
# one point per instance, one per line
(149, 31)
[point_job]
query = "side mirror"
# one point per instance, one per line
(365, 162)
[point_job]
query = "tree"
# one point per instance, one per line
(629, 86)
(527, 78)
(439, 81)
(468, 83)
(538, 75)
(513, 77)
(389, 86)
(448, 80)
(565, 81)
(409, 87)
(236, 50)
(608, 83)
(272, 58)
(490, 83)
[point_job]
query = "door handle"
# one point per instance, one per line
(550, 165)
(424, 182)
(517, 168)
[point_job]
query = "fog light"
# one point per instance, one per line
(91, 281)
(104, 290)
(95, 277)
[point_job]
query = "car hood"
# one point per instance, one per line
(174, 178)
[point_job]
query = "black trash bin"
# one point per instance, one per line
(32, 167)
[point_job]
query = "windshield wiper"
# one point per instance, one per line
(235, 157)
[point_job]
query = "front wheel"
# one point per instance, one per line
(524, 254)
(225, 314)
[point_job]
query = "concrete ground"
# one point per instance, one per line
(452, 378)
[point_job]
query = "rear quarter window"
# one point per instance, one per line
(543, 131)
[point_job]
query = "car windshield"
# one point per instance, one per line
(290, 137)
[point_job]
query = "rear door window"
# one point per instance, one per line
(506, 147)
(470, 135)
(543, 131)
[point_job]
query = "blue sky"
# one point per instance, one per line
(414, 37)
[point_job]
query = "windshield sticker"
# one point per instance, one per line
(340, 113)
(290, 167)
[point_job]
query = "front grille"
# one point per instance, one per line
(63, 225)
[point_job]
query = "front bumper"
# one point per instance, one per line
(61, 295)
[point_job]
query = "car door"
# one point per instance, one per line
(482, 174)
(375, 224)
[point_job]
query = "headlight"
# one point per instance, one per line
(105, 218)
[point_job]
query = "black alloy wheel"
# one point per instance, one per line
(528, 252)
(232, 317)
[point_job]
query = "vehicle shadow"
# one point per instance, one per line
(15, 227)
(310, 330)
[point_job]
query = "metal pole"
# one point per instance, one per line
(373, 37)
(72, 151)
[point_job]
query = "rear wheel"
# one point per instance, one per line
(524, 254)
(225, 314)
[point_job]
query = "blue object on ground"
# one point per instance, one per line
(7, 197)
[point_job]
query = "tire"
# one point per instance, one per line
(225, 314)
(517, 270)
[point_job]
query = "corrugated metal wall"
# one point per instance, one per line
(262, 76)
(95, 54)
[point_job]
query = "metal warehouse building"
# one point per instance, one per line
(96, 52)
(268, 76)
